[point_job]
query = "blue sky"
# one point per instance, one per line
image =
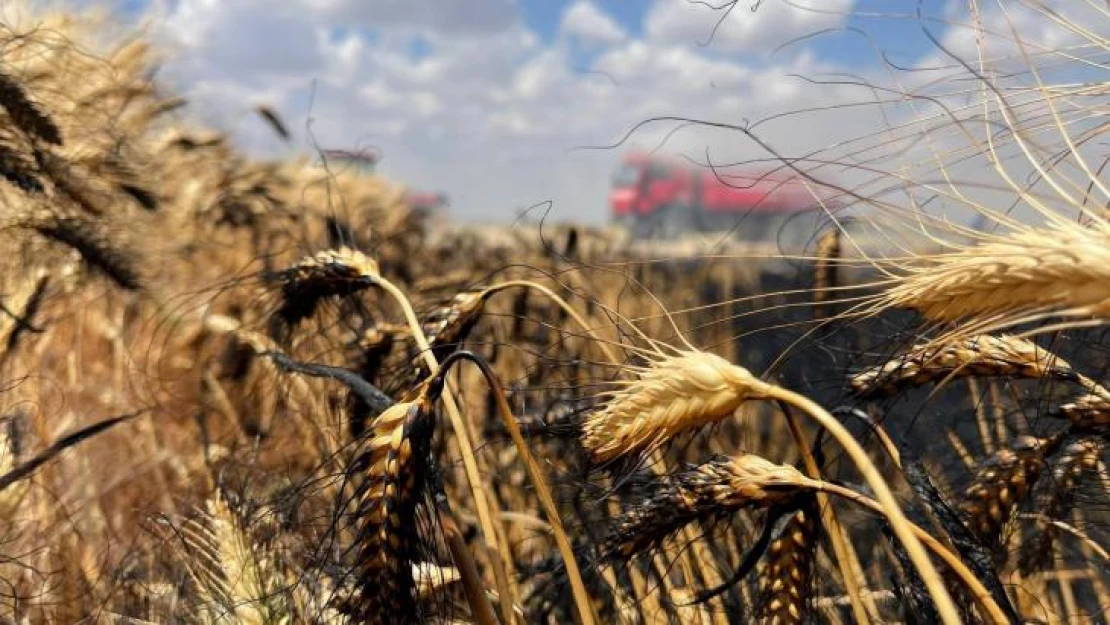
(489, 100)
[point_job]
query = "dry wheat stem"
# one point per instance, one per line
(979, 592)
(1071, 529)
(898, 521)
(482, 503)
(543, 491)
(846, 558)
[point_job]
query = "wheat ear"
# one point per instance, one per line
(692, 388)
(1060, 270)
(25, 114)
(1088, 411)
(334, 272)
(1077, 458)
(786, 578)
(825, 271)
(329, 273)
(1001, 482)
(543, 491)
(978, 356)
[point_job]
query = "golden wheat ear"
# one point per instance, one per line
(977, 356)
(1029, 274)
(671, 395)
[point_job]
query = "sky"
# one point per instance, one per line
(510, 106)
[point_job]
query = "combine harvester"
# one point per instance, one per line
(658, 198)
(663, 209)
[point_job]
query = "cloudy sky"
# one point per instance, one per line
(498, 102)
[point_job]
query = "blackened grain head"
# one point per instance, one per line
(19, 171)
(1001, 482)
(25, 114)
(330, 273)
(393, 466)
(786, 578)
(96, 247)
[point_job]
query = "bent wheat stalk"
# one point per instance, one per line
(334, 272)
(689, 389)
(446, 327)
(851, 571)
(543, 491)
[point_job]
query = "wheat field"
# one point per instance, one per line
(248, 391)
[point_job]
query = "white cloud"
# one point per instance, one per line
(442, 17)
(488, 112)
(774, 22)
(590, 25)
